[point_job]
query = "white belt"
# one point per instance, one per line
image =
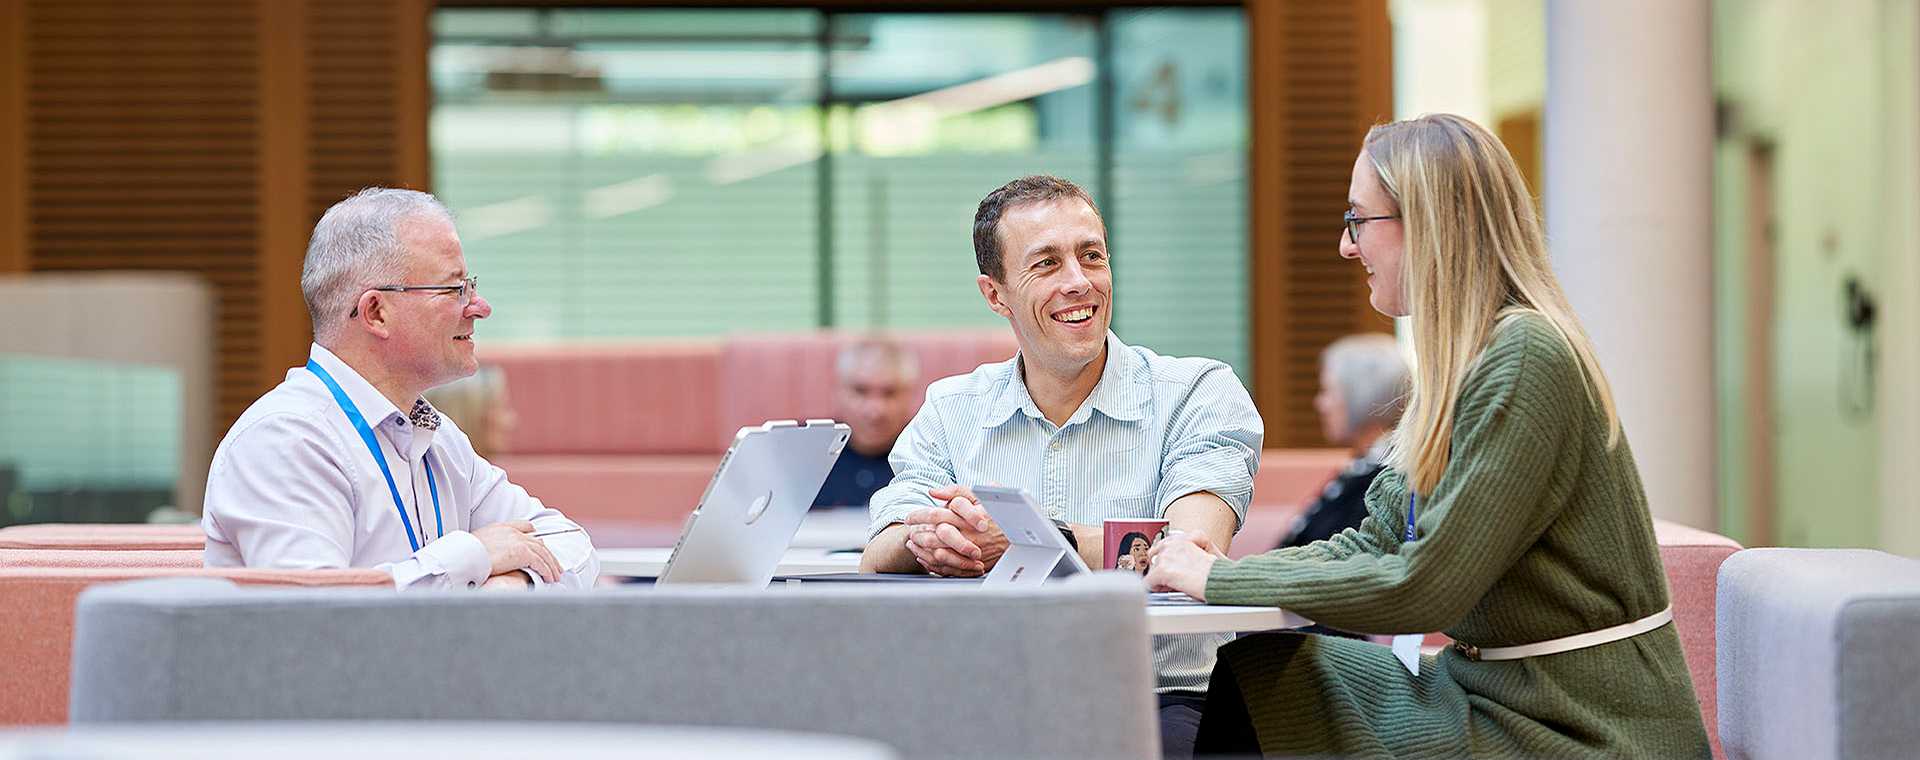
(1568, 643)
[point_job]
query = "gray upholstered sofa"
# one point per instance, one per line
(1059, 671)
(1819, 654)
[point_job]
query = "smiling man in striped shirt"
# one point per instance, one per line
(1092, 427)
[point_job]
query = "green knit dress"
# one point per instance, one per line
(1535, 531)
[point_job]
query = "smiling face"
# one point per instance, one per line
(1057, 290)
(1382, 244)
(431, 333)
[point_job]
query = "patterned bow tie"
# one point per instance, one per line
(424, 416)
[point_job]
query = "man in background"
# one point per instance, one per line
(878, 385)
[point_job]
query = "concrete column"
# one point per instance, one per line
(1629, 205)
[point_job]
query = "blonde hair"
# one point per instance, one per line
(471, 402)
(1474, 256)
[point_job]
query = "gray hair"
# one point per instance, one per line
(355, 246)
(886, 350)
(1372, 376)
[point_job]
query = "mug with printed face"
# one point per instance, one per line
(1127, 542)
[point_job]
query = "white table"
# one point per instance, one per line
(1219, 618)
(649, 562)
(1161, 619)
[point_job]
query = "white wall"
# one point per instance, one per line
(1440, 58)
(1822, 82)
(1516, 57)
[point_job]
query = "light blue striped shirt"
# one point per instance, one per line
(1155, 428)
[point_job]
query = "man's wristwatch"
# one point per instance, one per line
(1067, 531)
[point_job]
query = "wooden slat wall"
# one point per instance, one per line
(13, 146)
(186, 135)
(1521, 133)
(141, 124)
(369, 120)
(1321, 75)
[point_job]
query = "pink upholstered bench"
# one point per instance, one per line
(93, 558)
(103, 537)
(36, 644)
(1692, 558)
(631, 489)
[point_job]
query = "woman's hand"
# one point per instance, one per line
(1181, 562)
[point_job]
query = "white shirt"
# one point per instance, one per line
(293, 485)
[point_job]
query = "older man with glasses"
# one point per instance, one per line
(344, 464)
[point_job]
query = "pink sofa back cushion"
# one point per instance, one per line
(103, 537)
(635, 398)
(793, 377)
(82, 558)
(659, 489)
(1692, 558)
(36, 645)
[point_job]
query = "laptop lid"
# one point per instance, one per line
(1035, 549)
(753, 506)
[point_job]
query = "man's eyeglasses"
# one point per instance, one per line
(1354, 222)
(466, 288)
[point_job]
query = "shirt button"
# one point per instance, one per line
(1055, 445)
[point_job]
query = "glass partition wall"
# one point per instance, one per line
(646, 173)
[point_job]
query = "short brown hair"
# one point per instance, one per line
(1030, 189)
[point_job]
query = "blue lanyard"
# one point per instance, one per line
(1410, 516)
(373, 445)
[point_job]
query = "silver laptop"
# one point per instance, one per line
(759, 495)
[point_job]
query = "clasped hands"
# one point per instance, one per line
(955, 538)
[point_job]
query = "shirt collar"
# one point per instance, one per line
(373, 405)
(1123, 392)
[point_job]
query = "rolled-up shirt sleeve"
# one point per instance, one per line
(921, 462)
(497, 499)
(1213, 444)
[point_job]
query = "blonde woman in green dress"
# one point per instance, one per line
(1510, 516)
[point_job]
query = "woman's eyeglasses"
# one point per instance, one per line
(1354, 222)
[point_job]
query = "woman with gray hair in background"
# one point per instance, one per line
(1363, 390)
